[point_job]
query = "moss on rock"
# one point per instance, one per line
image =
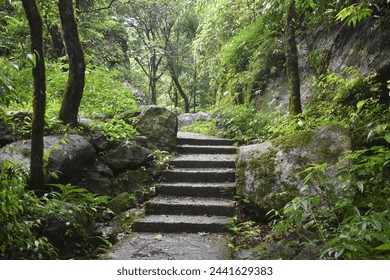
(122, 202)
(133, 180)
(270, 174)
(159, 125)
(296, 140)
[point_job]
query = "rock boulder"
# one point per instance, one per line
(159, 125)
(69, 156)
(190, 118)
(126, 156)
(270, 173)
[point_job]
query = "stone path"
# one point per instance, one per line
(188, 218)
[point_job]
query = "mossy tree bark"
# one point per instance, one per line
(295, 106)
(39, 101)
(76, 80)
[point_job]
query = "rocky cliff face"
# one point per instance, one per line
(322, 49)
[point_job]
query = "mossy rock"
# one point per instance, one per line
(270, 174)
(122, 202)
(160, 126)
(124, 221)
(133, 181)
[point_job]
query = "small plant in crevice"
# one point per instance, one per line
(244, 234)
(160, 160)
(249, 228)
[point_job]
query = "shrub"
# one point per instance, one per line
(20, 218)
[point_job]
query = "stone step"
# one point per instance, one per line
(196, 149)
(204, 161)
(200, 175)
(197, 189)
(204, 141)
(172, 205)
(181, 223)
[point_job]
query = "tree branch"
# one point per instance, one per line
(101, 8)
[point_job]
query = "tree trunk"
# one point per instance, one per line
(76, 80)
(39, 103)
(292, 63)
(181, 92)
(153, 89)
(56, 39)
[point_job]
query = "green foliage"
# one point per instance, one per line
(160, 160)
(355, 13)
(202, 127)
(24, 218)
(104, 93)
(241, 123)
(14, 82)
(247, 61)
(104, 97)
(353, 100)
(317, 60)
(20, 218)
(117, 129)
(73, 212)
(349, 213)
(243, 234)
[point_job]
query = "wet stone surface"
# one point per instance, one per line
(170, 246)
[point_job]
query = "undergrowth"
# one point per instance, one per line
(59, 224)
(349, 215)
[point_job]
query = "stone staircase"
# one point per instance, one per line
(196, 195)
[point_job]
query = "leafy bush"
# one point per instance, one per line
(70, 219)
(350, 214)
(249, 59)
(117, 129)
(58, 224)
(105, 94)
(20, 217)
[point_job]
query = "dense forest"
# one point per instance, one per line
(263, 69)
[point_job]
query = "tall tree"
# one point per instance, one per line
(180, 89)
(39, 102)
(295, 106)
(76, 79)
(179, 56)
(151, 25)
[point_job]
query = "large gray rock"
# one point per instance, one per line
(74, 156)
(159, 125)
(99, 179)
(70, 156)
(190, 118)
(126, 156)
(270, 173)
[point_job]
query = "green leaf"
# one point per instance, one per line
(298, 221)
(383, 247)
(360, 104)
